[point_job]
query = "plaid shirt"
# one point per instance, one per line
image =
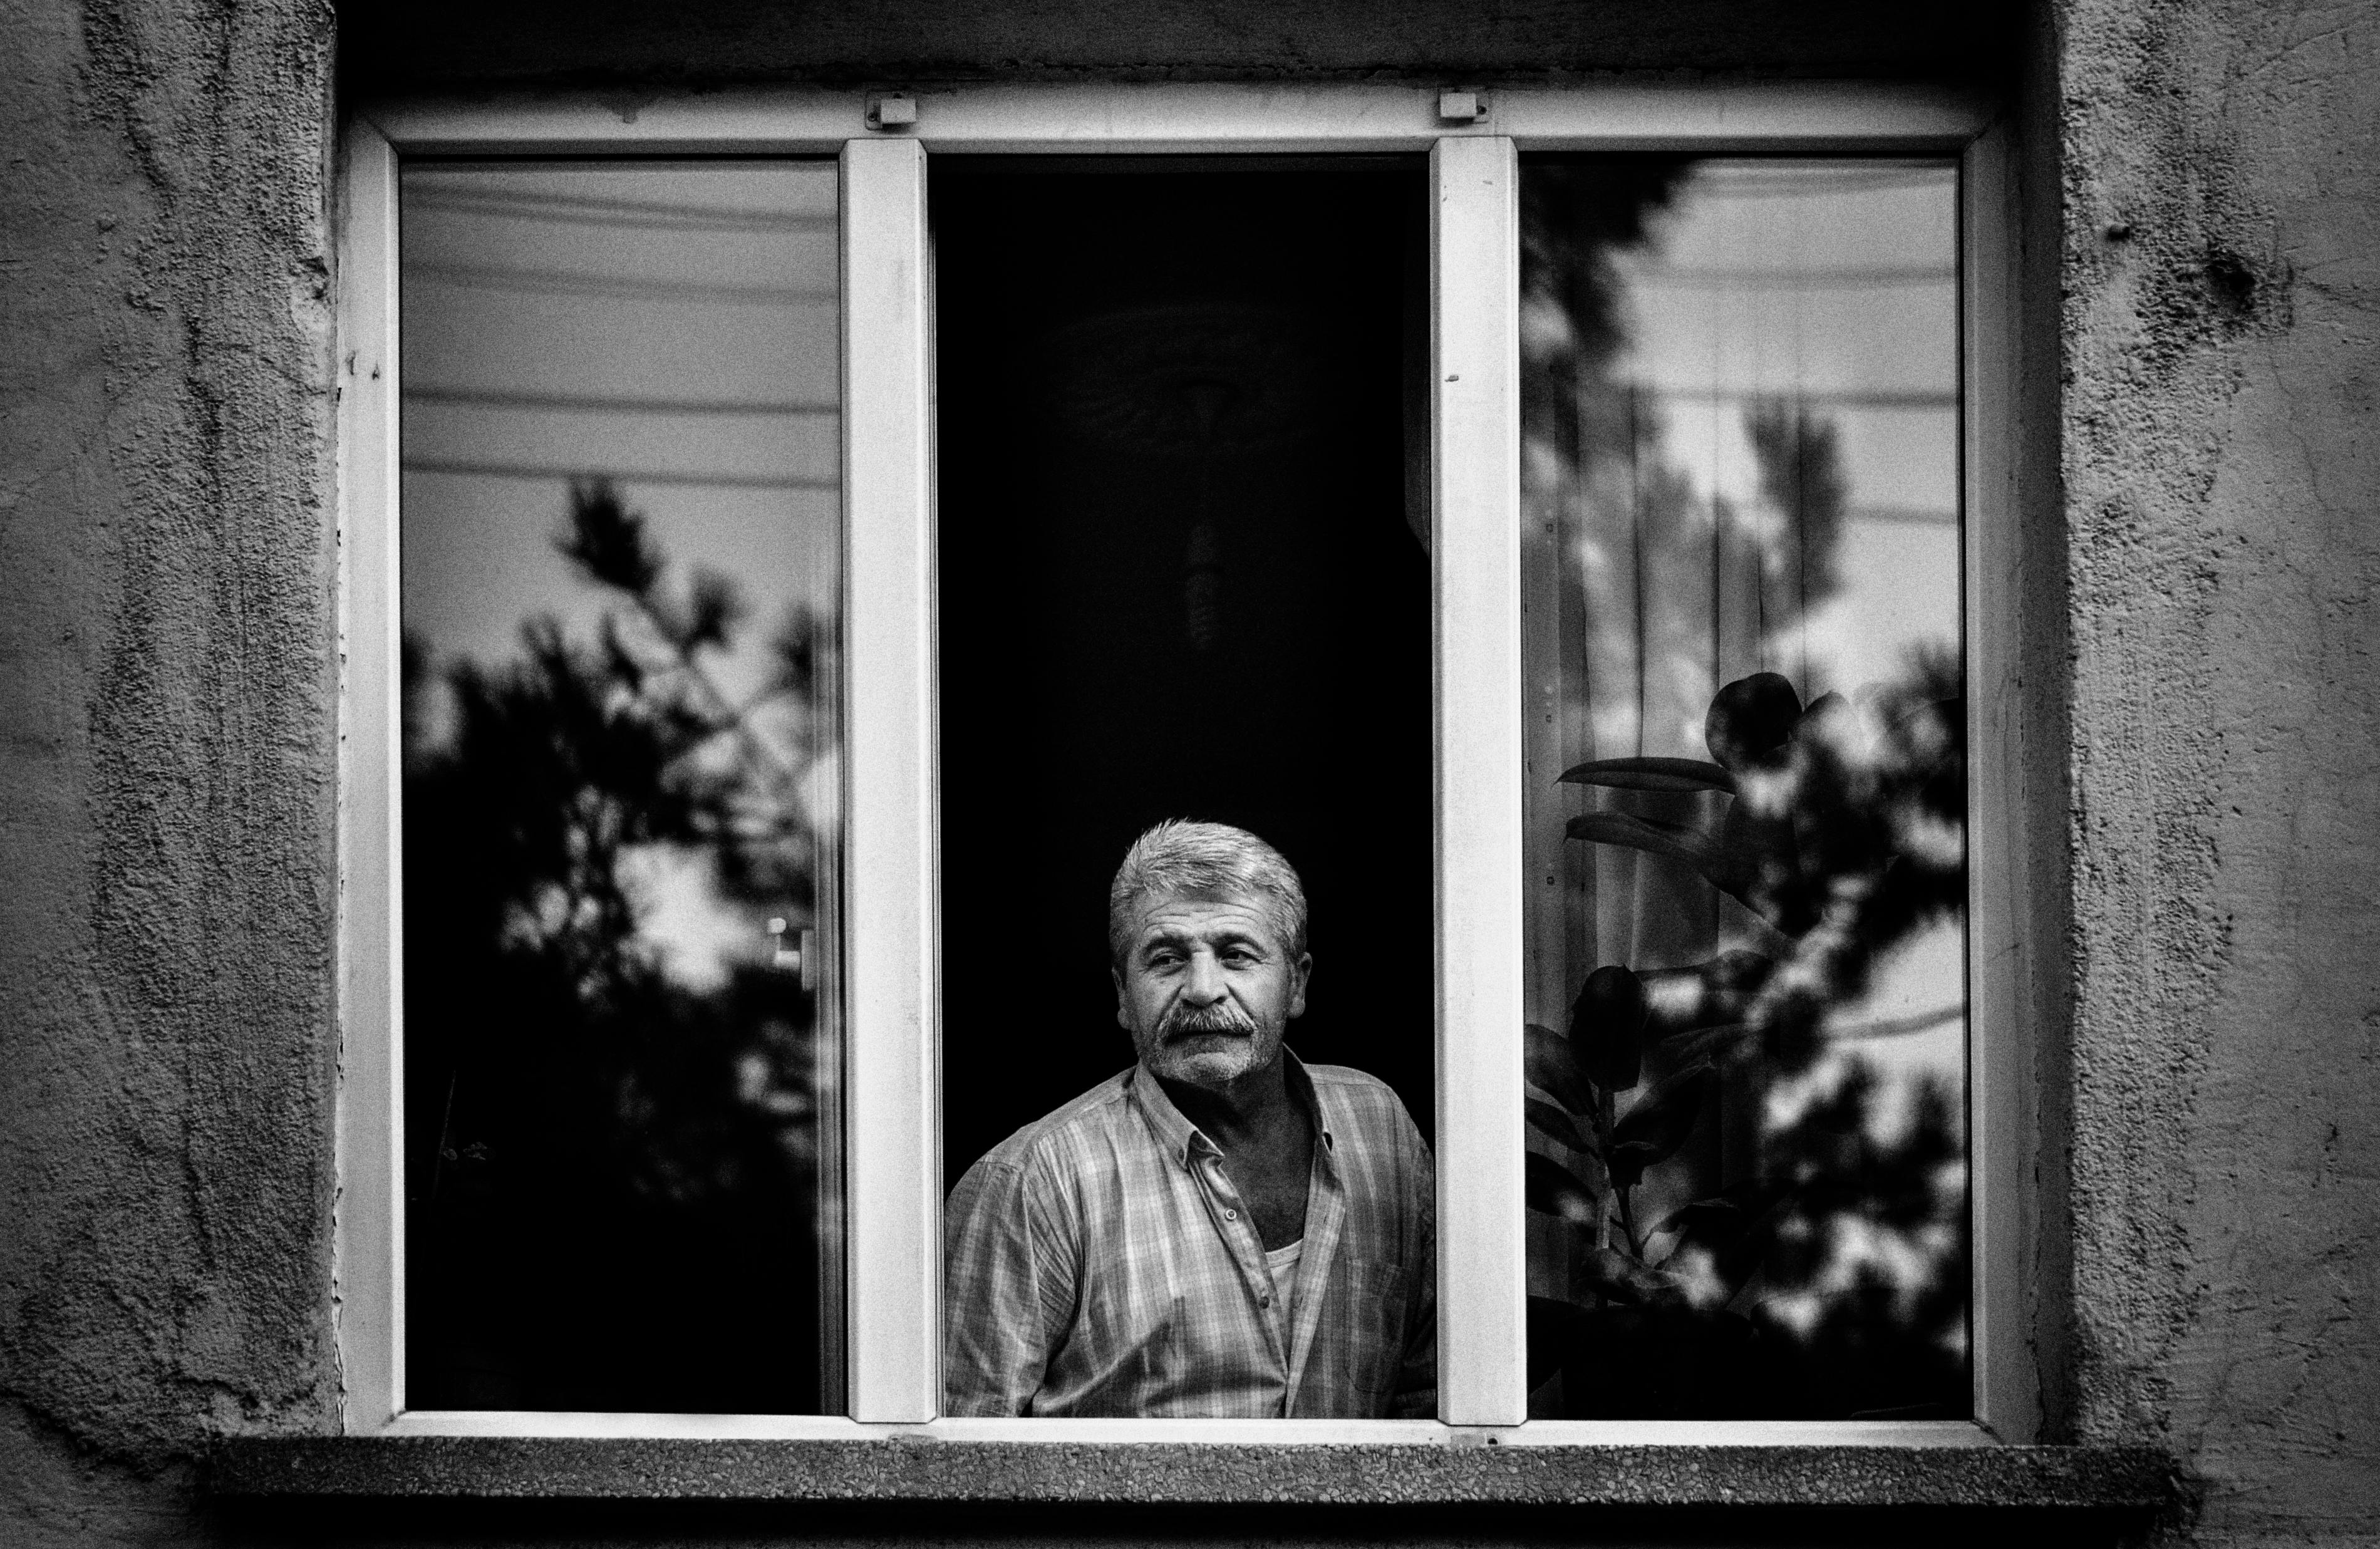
(1099, 1262)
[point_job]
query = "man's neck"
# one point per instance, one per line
(1242, 1114)
(1267, 1146)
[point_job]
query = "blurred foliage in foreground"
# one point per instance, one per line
(610, 1167)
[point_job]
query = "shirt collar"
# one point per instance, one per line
(1182, 1139)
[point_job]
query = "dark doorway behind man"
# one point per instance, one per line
(1182, 569)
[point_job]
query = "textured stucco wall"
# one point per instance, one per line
(2222, 166)
(166, 660)
(167, 667)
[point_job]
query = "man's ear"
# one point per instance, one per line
(1299, 975)
(1123, 1016)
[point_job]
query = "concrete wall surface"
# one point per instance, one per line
(2222, 300)
(167, 662)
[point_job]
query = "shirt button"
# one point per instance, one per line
(1264, 1301)
(1231, 1215)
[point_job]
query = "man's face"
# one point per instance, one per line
(1207, 988)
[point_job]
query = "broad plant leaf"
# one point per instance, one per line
(1649, 773)
(1606, 1027)
(1711, 1223)
(1751, 721)
(1730, 868)
(1654, 1129)
(1729, 1226)
(1558, 1124)
(1682, 841)
(1549, 1066)
(1585, 1165)
(1550, 1188)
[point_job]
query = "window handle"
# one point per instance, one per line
(802, 956)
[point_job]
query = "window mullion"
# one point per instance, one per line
(895, 1160)
(1476, 593)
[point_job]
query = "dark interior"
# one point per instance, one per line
(1182, 574)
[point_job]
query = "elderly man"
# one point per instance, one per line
(1221, 1230)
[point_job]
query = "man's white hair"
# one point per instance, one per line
(1179, 858)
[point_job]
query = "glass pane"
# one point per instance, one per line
(1746, 800)
(620, 593)
(1183, 575)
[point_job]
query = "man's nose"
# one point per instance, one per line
(1204, 983)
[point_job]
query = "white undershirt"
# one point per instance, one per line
(1282, 1263)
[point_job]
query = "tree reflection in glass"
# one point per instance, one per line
(619, 601)
(1746, 799)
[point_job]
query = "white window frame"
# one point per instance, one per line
(893, 996)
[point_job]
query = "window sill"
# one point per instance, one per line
(2124, 1480)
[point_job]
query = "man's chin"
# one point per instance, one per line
(1207, 1059)
(1216, 1070)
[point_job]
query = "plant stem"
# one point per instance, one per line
(1627, 1225)
(1603, 1117)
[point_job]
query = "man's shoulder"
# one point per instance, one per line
(1055, 1132)
(1348, 1077)
(1350, 1085)
(1361, 1095)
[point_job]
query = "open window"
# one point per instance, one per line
(1181, 577)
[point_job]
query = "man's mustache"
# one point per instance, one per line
(1221, 1016)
